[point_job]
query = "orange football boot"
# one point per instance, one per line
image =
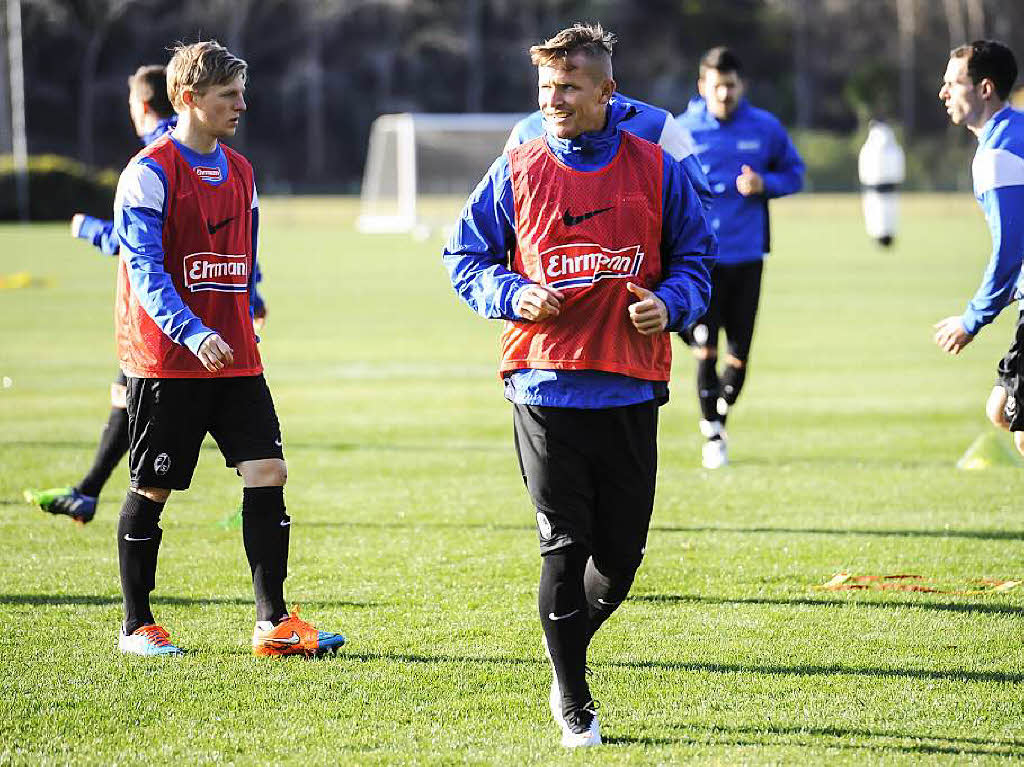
(293, 636)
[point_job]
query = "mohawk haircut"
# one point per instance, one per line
(202, 65)
(590, 40)
(149, 83)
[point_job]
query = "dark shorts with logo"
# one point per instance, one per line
(169, 417)
(735, 295)
(591, 477)
(1010, 375)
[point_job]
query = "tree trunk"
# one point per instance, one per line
(907, 24)
(976, 19)
(803, 84)
(5, 96)
(955, 22)
(316, 144)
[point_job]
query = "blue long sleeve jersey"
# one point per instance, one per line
(139, 213)
(753, 137)
(644, 120)
(477, 258)
(998, 172)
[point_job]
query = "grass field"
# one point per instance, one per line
(413, 535)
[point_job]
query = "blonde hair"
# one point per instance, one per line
(198, 66)
(588, 39)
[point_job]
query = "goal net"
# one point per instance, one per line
(421, 167)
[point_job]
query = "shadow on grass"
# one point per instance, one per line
(982, 535)
(955, 607)
(438, 448)
(798, 736)
(100, 600)
(952, 675)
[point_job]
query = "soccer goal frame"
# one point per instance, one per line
(394, 180)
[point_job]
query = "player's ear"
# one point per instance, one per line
(607, 90)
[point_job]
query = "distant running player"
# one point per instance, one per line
(152, 116)
(975, 88)
(749, 160)
(186, 216)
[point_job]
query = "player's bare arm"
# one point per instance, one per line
(215, 354)
(951, 336)
(649, 315)
(539, 302)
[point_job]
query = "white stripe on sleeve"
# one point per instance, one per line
(676, 140)
(995, 168)
(139, 187)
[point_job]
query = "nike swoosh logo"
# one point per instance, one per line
(554, 617)
(293, 639)
(285, 522)
(609, 604)
(277, 442)
(214, 227)
(570, 220)
(129, 538)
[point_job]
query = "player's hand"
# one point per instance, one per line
(259, 318)
(215, 354)
(649, 314)
(76, 223)
(749, 182)
(951, 336)
(538, 302)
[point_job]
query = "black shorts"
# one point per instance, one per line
(591, 476)
(735, 295)
(168, 418)
(1010, 375)
(121, 379)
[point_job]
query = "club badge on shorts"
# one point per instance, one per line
(162, 464)
(544, 525)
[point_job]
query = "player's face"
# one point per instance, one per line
(722, 91)
(960, 96)
(137, 109)
(219, 108)
(573, 100)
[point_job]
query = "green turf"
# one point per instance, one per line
(413, 534)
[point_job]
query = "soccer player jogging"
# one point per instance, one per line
(590, 243)
(186, 215)
(749, 160)
(648, 122)
(975, 90)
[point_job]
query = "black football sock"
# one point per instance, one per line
(113, 446)
(265, 528)
(563, 616)
(732, 382)
(138, 542)
(605, 592)
(708, 389)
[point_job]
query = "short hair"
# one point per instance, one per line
(588, 39)
(198, 66)
(989, 59)
(149, 83)
(721, 58)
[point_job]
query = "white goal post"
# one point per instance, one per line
(414, 156)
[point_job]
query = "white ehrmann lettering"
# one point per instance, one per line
(562, 265)
(204, 270)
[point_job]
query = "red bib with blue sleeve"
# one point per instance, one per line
(207, 243)
(587, 234)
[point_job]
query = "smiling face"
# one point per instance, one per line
(722, 92)
(960, 96)
(218, 108)
(573, 100)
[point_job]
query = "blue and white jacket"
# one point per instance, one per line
(753, 137)
(998, 172)
(477, 257)
(648, 122)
